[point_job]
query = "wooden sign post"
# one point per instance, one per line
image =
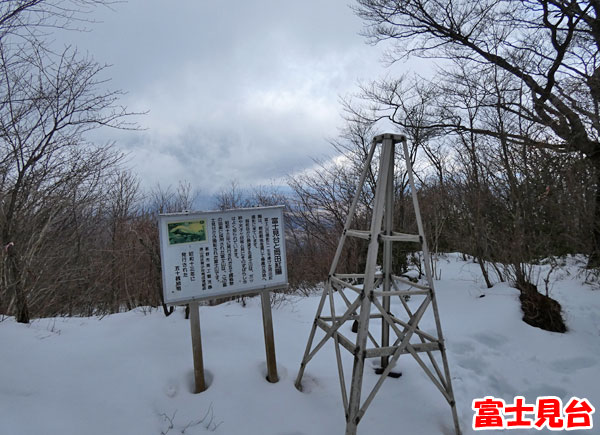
(265, 301)
(199, 380)
(210, 255)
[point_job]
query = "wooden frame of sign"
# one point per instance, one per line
(209, 255)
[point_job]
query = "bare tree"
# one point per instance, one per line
(232, 197)
(547, 50)
(48, 102)
(33, 19)
(123, 201)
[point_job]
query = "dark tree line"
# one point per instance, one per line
(504, 143)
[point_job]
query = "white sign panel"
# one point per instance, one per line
(206, 255)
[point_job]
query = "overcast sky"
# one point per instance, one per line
(238, 90)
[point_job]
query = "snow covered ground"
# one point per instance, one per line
(131, 373)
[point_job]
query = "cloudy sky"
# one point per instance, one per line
(238, 90)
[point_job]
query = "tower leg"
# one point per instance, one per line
(429, 275)
(367, 293)
(388, 223)
(334, 264)
(311, 337)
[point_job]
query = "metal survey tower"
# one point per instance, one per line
(400, 332)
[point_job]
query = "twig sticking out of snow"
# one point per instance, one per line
(208, 422)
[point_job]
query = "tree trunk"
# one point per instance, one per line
(14, 280)
(484, 272)
(498, 272)
(594, 259)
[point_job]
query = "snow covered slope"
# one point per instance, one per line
(131, 373)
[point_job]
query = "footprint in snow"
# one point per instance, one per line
(490, 339)
(171, 390)
(568, 365)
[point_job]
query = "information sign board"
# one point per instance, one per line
(205, 255)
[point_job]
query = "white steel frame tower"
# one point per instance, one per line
(379, 286)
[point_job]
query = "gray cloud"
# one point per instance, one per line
(235, 90)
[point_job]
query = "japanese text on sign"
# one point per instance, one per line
(211, 254)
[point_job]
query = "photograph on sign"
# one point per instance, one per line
(187, 232)
(206, 255)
